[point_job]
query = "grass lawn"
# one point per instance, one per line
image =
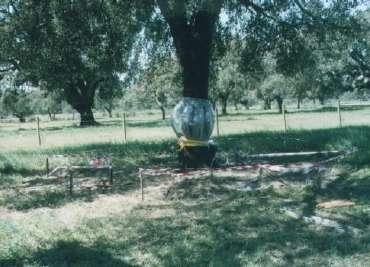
(193, 220)
(149, 127)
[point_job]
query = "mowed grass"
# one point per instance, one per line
(191, 221)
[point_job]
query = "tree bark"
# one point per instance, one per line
(224, 105)
(161, 107)
(109, 110)
(279, 101)
(20, 116)
(163, 112)
(193, 42)
(87, 117)
(299, 103)
(82, 100)
(22, 119)
(267, 104)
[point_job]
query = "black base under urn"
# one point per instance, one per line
(198, 156)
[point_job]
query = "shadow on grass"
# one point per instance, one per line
(8, 168)
(42, 192)
(242, 229)
(45, 198)
(70, 253)
(128, 158)
(238, 229)
(355, 188)
(150, 124)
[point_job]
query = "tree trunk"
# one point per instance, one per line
(267, 104)
(321, 100)
(163, 112)
(50, 115)
(224, 105)
(82, 101)
(109, 110)
(279, 101)
(21, 117)
(161, 107)
(236, 106)
(299, 103)
(87, 117)
(193, 41)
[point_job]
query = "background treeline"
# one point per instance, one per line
(85, 56)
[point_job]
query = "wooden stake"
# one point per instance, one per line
(47, 167)
(217, 123)
(124, 127)
(141, 184)
(70, 184)
(339, 115)
(38, 130)
(111, 175)
(284, 116)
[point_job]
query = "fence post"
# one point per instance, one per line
(47, 167)
(141, 184)
(111, 175)
(339, 114)
(284, 117)
(38, 130)
(217, 123)
(70, 184)
(124, 127)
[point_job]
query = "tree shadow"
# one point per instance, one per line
(8, 168)
(55, 192)
(356, 188)
(149, 124)
(70, 253)
(235, 231)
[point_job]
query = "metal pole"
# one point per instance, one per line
(111, 175)
(141, 184)
(38, 130)
(47, 167)
(70, 184)
(217, 123)
(339, 115)
(284, 116)
(124, 127)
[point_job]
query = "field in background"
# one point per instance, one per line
(149, 127)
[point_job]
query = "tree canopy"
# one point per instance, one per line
(82, 48)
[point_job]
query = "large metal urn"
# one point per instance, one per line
(193, 122)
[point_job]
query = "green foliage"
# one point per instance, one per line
(275, 87)
(229, 83)
(70, 47)
(162, 82)
(110, 91)
(18, 103)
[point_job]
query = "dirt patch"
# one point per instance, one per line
(335, 204)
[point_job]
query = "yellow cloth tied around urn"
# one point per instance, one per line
(184, 142)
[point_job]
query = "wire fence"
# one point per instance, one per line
(148, 126)
(92, 170)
